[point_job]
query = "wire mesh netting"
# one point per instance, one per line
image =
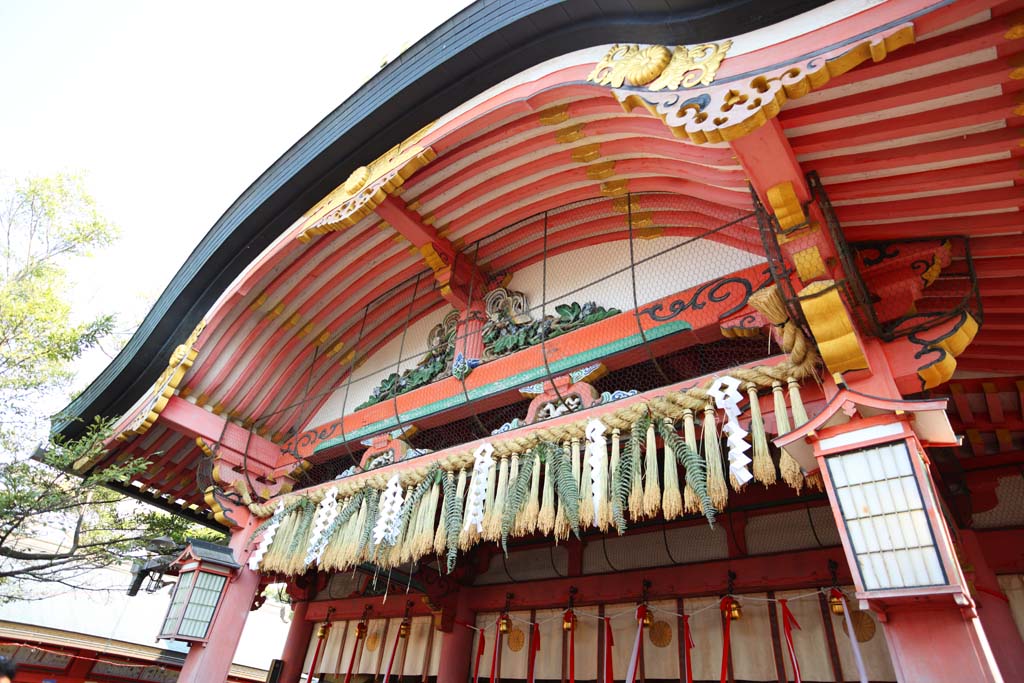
(428, 361)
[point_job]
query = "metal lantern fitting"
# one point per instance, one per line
(733, 609)
(361, 629)
(835, 604)
(648, 617)
(362, 626)
(569, 616)
(872, 455)
(568, 620)
(835, 596)
(203, 573)
(504, 623)
(324, 630)
(406, 625)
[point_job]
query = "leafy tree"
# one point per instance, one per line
(55, 526)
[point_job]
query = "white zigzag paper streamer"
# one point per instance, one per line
(388, 516)
(727, 397)
(482, 464)
(326, 511)
(597, 449)
(268, 538)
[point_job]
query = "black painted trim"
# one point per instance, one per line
(475, 50)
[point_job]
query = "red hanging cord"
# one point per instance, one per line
(494, 654)
(480, 646)
(356, 648)
(688, 644)
(725, 605)
(609, 642)
(322, 636)
(788, 624)
(394, 650)
(531, 670)
(572, 646)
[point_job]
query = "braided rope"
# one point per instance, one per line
(803, 362)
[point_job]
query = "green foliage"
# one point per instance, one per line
(621, 485)
(372, 498)
(45, 223)
(300, 538)
(452, 521)
(342, 517)
(502, 335)
(565, 483)
(696, 468)
(516, 497)
(55, 526)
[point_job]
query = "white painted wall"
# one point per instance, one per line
(598, 273)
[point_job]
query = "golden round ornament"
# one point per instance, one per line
(648, 64)
(357, 179)
(660, 633)
(863, 625)
(373, 642)
(516, 639)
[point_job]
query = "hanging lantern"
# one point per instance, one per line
(404, 628)
(835, 602)
(203, 572)
(648, 617)
(863, 445)
(732, 609)
(361, 629)
(324, 630)
(504, 622)
(568, 620)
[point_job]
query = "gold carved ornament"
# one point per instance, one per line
(166, 386)
(730, 110)
(659, 68)
(366, 187)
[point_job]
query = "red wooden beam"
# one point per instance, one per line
(193, 421)
(784, 571)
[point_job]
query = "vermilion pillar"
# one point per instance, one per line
(994, 610)
(296, 644)
(210, 662)
(457, 646)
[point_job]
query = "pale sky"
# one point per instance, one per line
(172, 110)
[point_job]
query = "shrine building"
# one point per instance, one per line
(619, 341)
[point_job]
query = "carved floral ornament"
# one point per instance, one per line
(727, 110)
(658, 67)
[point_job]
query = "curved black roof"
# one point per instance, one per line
(476, 49)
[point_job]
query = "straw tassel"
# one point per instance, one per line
(586, 499)
(763, 467)
(797, 403)
(492, 520)
(652, 488)
(425, 538)
(546, 517)
(717, 489)
(526, 522)
(468, 535)
(671, 498)
(691, 503)
(788, 467)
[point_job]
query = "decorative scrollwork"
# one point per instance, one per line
(716, 291)
(733, 109)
